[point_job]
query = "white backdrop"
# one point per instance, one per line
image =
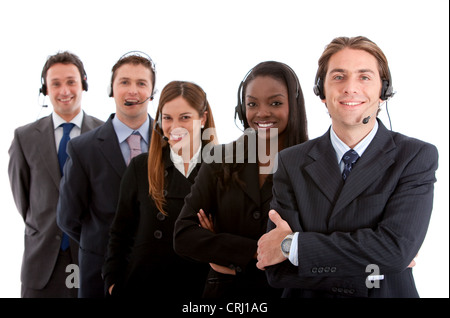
(215, 43)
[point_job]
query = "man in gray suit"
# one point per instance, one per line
(97, 161)
(351, 208)
(35, 173)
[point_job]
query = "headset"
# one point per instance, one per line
(140, 54)
(43, 89)
(240, 109)
(158, 122)
(387, 90)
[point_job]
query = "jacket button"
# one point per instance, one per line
(320, 270)
(314, 270)
(333, 269)
(157, 234)
(256, 215)
(326, 269)
(160, 216)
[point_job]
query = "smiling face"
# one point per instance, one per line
(64, 88)
(181, 123)
(267, 105)
(132, 84)
(352, 88)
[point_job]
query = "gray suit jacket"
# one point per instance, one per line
(379, 216)
(34, 176)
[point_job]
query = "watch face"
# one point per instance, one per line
(286, 245)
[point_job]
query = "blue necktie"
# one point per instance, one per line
(349, 158)
(62, 157)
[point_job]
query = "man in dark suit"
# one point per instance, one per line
(351, 208)
(34, 173)
(93, 172)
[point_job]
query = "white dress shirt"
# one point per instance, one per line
(75, 132)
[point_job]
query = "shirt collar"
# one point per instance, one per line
(179, 163)
(123, 131)
(341, 148)
(77, 120)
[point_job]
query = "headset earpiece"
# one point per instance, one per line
(158, 121)
(239, 110)
(43, 90)
(387, 91)
(84, 83)
(318, 88)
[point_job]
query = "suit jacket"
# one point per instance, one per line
(88, 199)
(240, 215)
(379, 216)
(141, 261)
(34, 176)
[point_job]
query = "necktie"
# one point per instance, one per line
(134, 141)
(349, 158)
(62, 156)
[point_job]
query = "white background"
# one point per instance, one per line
(215, 43)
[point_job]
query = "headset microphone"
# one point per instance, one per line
(366, 120)
(135, 103)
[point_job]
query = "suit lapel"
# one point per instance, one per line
(378, 157)
(87, 124)
(47, 149)
(249, 175)
(110, 148)
(324, 170)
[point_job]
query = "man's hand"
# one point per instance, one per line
(269, 245)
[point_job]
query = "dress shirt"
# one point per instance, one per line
(340, 148)
(123, 132)
(75, 132)
(179, 163)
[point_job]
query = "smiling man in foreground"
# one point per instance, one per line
(359, 197)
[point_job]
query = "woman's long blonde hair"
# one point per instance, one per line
(196, 98)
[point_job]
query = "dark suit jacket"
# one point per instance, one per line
(88, 199)
(240, 218)
(34, 175)
(379, 216)
(141, 261)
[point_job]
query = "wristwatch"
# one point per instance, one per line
(286, 245)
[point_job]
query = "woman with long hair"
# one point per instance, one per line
(141, 260)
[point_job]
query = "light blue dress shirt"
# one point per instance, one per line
(123, 132)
